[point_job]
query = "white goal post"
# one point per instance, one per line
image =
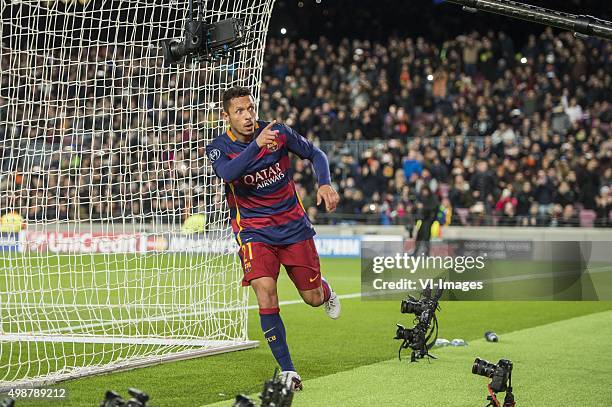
(101, 163)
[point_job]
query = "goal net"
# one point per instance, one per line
(115, 248)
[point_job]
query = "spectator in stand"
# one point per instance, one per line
(588, 179)
(544, 192)
(508, 217)
(412, 165)
(533, 219)
(568, 217)
(564, 195)
(427, 210)
(604, 208)
(482, 183)
(460, 194)
(506, 198)
(524, 201)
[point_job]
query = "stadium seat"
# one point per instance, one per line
(587, 218)
(463, 214)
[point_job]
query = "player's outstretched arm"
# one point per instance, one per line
(232, 169)
(299, 145)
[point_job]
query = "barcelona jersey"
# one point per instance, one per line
(259, 189)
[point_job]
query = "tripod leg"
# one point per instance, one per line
(492, 397)
(509, 399)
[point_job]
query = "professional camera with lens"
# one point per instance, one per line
(113, 399)
(205, 41)
(415, 338)
(423, 335)
(427, 303)
(7, 403)
(276, 393)
(501, 379)
(209, 41)
(243, 401)
(413, 306)
(499, 373)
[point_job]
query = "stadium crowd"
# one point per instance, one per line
(500, 134)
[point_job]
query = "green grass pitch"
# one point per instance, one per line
(561, 352)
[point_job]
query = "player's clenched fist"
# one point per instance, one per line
(328, 195)
(267, 135)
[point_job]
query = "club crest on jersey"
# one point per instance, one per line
(273, 146)
(265, 177)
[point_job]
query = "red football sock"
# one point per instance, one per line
(326, 290)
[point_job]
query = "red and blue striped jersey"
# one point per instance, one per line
(259, 188)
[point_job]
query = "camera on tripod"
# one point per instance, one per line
(113, 399)
(423, 335)
(501, 380)
(499, 373)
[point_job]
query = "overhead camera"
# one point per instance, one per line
(501, 380)
(209, 41)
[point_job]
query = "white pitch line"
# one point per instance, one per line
(353, 295)
(166, 317)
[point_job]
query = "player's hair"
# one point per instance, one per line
(232, 93)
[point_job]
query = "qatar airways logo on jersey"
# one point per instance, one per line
(265, 177)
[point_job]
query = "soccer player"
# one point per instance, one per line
(268, 219)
